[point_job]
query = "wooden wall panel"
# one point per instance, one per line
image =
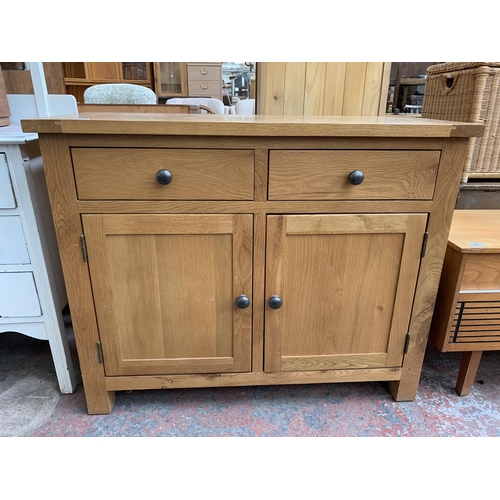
(323, 88)
(295, 81)
(314, 92)
(354, 89)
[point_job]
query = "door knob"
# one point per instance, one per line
(275, 302)
(356, 177)
(164, 176)
(242, 301)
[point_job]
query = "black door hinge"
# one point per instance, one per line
(84, 247)
(99, 352)
(424, 244)
(407, 343)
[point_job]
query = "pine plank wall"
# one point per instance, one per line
(323, 88)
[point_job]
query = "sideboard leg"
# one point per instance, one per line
(468, 370)
(100, 404)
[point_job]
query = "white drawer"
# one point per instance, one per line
(204, 72)
(7, 198)
(205, 89)
(18, 295)
(13, 248)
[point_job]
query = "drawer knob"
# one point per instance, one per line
(356, 177)
(164, 176)
(242, 301)
(275, 302)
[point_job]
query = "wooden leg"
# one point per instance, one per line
(468, 370)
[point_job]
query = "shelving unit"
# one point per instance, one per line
(78, 76)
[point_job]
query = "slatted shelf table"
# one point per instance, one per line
(467, 311)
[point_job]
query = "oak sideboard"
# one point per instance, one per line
(225, 250)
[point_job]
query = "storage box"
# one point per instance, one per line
(468, 92)
(4, 105)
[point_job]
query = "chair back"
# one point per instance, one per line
(119, 93)
(214, 104)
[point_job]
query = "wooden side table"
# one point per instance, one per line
(467, 312)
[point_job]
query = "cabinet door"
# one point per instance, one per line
(171, 78)
(346, 283)
(165, 289)
(104, 71)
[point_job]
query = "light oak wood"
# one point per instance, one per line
(468, 370)
(130, 174)
(370, 249)
(439, 221)
(193, 267)
(482, 272)
(324, 175)
(315, 264)
(475, 231)
(467, 317)
(60, 183)
(251, 379)
(251, 126)
(322, 88)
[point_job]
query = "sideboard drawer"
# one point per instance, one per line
(324, 175)
(196, 174)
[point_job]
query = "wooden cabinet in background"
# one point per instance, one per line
(205, 79)
(204, 269)
(80, 75)
(171, 79)
(188, 79)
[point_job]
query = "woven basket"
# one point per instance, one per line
(468, 92)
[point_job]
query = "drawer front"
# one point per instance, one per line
(130, 174)
(204, 72)
(205, 89)
(7, 198)
(18, 295)
(482, 272)
(324, 175)
(13, 249)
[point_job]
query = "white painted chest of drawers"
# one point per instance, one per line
(32, 292)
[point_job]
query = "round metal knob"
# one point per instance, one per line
(164, 176)
(356, 177)
(242, 301)
(275, 302)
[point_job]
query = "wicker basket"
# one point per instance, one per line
(468, 92)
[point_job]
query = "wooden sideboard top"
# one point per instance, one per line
(250, 125)
(475, 231)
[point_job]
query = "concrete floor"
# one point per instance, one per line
(31, 404)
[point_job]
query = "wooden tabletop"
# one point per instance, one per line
(475, 231)
(250, 125)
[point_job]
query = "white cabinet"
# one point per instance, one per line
(32, 292)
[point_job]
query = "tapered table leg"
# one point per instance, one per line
(468, 370)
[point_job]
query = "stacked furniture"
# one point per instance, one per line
(227, 250)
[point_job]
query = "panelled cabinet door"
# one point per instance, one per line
(166, 290)
(346, 285)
